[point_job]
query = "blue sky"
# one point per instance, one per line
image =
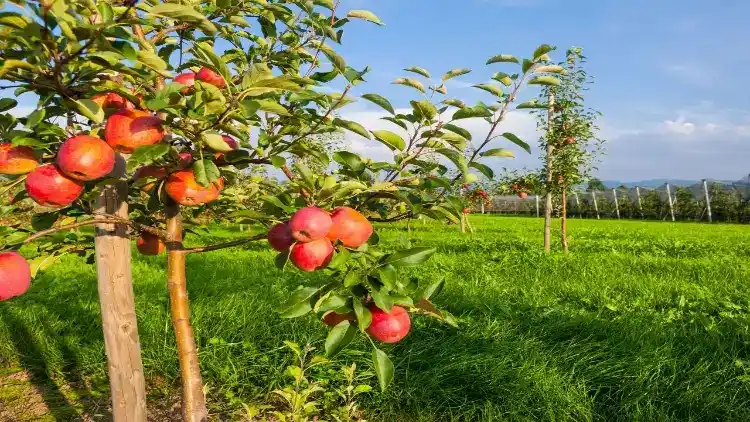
(670, 75)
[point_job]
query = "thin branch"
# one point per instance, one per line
(108, 219)
(288, 173)
(164, 32)
(392, 219)
(231, 244)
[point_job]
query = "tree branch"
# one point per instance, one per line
(224, 245)
(288, 173)
(108, 219)
(164, 32)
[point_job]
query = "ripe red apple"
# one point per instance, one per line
(187, 79)
(49, 187)
(127, 130)
(522, 195)
(466, 211)
(17, 160)
(159, 173)
(15, 275)
(149, 244)
(350, 227)
(112, 102)
(210, 77)
(389, 327)
(310, 223)
(85, 158)
(312, 255)
(570, 140)
(333, 318)
(185, 190)
(280, 238)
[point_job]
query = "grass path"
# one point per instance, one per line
(643, 321)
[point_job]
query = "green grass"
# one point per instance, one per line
(642, 321)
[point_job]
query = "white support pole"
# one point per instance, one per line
(708, 201)
(669, 198)
(578, 205)
(640, 204)
(537, 205)
(482, 205)
(617, 205)
(596, 206)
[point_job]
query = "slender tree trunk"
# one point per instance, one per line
(115, 284)
(193, 400)
(564, 220)
(548, 185)
(463, 223)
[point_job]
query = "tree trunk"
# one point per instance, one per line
(463, 223)
(548, 185)
(564, 220)
(114, 280)
(193, 400)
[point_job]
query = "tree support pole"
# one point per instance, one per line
(564, 220)
(708, 201)
(548, 185)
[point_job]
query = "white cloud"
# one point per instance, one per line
(679, 126)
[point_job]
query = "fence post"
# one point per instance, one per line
(578, 205)
(537, 205)
(617, 204)
(708, 201)
(596, 206)
(640, 204)
(669, 199)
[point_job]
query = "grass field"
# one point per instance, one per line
(643, 321)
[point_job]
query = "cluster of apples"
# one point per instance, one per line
(521, 190)
(308, 237)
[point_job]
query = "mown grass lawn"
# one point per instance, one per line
(643, 321)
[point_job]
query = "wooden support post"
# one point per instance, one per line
(578, 205)
(617, 204)
(708, 201)
(548, 165)
(669, 200)
(117, 302)
(537, 205)
(640, 204)
(482, 207)
(596, 206)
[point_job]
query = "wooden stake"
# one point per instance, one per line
(617, 204)
(708, 201)
(640, 204)
(548, 165)
(669, 200)
(596, 206)
(117, 302)
(193, 400)
(564, 220)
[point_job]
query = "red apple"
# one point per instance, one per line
(112, 102)
(310, 223)
(522, 195)
(85, 158)
(210, 77)
(280, 238)
(159, 173)
(49, 187)
(17, 160)
(350, 227)
(127, 130)
(515, 187)
(184, 159)
(389, 327)
(466, 211)
(150, 244)
(185, 190)
(15, 275)
(570, 140)
(333, 318)
(187, 79)
(312, 255)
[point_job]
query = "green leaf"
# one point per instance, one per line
(542, 50)
(184, 13)
(527, 65)
(383, 368)
(503, 58)
(215, 141)
(349, 159)
(545, 80)
(364, 14)
(90, 110)
(409, 257)
(390, 139)
(341, 257)
(352, 127)
(498, 152)
(516, 140)
(455, 103)
(364, 316)
(381, 101)
(35, 118)
(456, 157)
(425, 108)
(206, 172)
(503, 78)
(455, 72)
(297, 310)
(43, 221)
(153, 61)
(552, 68)
(353, 278)
(382, 299)
(271, 106)
(146, 155)
(533, 104)
(492, 89)
(470, 112)
(410, 82)
(485, 170)
(7, 104)
(418, 70)
(339, 337)
(457, 130)
(328, 4)
(388, 276)
(396, 121)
